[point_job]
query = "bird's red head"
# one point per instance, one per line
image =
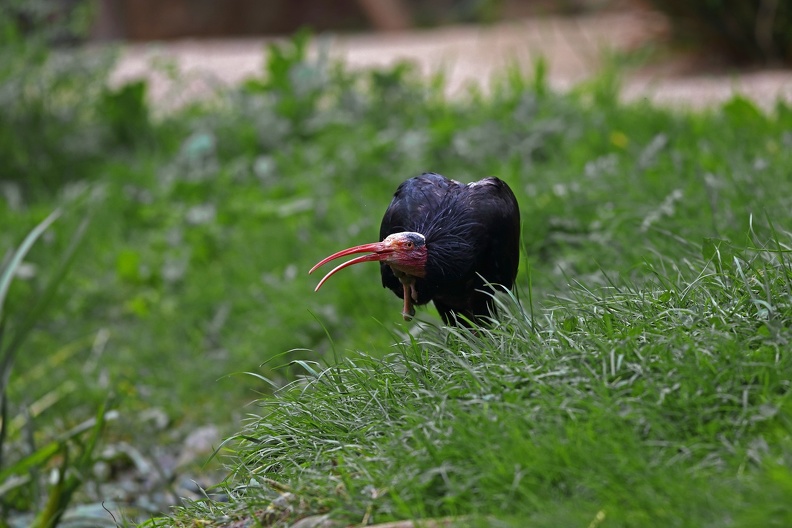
(404, 252)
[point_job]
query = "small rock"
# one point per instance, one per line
(199, 443)
(158, 417)
(102, 471)
(283, 501)
(315, 521)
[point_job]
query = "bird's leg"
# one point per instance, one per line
(408, 312)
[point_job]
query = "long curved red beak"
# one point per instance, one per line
(379, 251)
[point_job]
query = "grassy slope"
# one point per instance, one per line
(208, 220)
(652, 391)
(666, 405)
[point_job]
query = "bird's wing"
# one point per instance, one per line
(495, 239)
(413, 200)
(495, 208)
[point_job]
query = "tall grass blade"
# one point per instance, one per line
(70, 475)
(7, 275)
(43, 301)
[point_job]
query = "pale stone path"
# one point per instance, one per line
(573, 48)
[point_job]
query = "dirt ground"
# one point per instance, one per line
(574, 48)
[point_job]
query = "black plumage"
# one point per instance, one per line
(444, 241)
(472, 237)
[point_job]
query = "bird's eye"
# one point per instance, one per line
(409, 245)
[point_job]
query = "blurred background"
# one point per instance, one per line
(699, 44)
(749, 31)
(187, 224)
(141, 20)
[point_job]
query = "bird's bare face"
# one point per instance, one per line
(408, 253)
(404, 252)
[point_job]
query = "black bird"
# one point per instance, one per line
(443, 241)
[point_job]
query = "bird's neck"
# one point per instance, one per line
(404, 271)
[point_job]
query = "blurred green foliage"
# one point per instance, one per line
(206, 217)
(211, 214)
(748, 31)
(59, 119)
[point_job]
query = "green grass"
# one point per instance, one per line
(641, 381)
(661, 405)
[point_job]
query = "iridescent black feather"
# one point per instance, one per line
(472, 237)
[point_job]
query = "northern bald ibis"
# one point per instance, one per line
(444, 241)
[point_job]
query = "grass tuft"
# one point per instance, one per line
(612, 404)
